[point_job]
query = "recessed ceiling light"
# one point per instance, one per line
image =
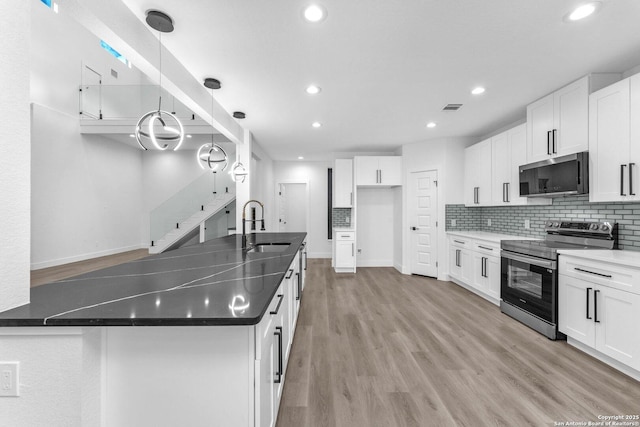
(582, 11)
(300, 158)
(315, 13)
(316, 124)
(313, 89)
(431, 125)
(478, 90)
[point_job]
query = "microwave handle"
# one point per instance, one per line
(533, 261)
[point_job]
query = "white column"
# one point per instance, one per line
(243, 190)
(15, 154)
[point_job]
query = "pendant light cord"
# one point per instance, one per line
(160, 83)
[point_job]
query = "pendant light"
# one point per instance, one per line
(161, 128)
(238, 172)
(212, 155)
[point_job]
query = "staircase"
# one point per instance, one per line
(188, 228)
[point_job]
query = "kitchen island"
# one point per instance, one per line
(195, 336)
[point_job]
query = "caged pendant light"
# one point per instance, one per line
(161, 128)
(212, 155)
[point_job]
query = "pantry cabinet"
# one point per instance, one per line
(558, 124)
(614, 142)
(378, 171)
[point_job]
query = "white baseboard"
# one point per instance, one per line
(323, 255)
(375, 263)
(398, 267)
(84, 257)
(604, 358)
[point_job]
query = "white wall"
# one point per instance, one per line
(315, 173)
(15, 25)
(375, 227)
(262, 184)
(85, 195)
(445, 155)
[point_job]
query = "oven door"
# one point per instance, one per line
(529, 283)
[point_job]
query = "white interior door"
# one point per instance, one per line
(423, 222)
(292, 207)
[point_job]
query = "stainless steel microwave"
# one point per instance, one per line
(561, 176)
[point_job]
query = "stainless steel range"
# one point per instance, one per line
(529, 281)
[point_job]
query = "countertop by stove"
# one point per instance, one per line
(212, 283)
(621, 257)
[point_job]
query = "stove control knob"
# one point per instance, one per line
(549, 223)
(556, 224)
(604, 227)
(593, 226)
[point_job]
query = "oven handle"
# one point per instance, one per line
(529, 260)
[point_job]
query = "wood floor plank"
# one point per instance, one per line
(385, 349)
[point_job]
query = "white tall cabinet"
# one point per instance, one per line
(378, 170)
(614, 142)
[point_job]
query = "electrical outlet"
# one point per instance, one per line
(489, 222)
(359, 251)
(347, 220)
(9, 379)
(527, 223)
(453, 222)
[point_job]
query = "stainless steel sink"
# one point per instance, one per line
(269, 247)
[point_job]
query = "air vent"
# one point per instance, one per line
(114, 73)
(452, 107)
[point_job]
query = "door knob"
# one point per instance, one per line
(414, 228)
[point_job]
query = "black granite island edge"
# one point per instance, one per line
(216, 283)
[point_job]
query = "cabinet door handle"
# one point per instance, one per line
(353, 250)
(305, 259)
(278, 306)
(457, 257)
(553, 141)
(622, 179)
(298, 296)
(508, 192)
(484, 247)
(458, 241)
(504, 192)
(351, 199)
(278, 333)
(482, 267)
(595, 306)
(608, 276)
(549, 142)
(290, 273)
(588, 290)
(631, 165)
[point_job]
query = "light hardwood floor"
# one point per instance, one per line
(382, 349)
(51, 274)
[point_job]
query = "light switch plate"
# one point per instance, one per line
(489, 222)
(9, 379)
(527, 223)
(453, 222)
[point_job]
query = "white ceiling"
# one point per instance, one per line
(386, 68)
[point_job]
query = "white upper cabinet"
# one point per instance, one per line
(343, 183)
(492, 176)
(477, 174)
(558, 124)
(614, 142)
(378, 170)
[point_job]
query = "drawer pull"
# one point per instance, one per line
(608, 276)
(290, 273)
(278, 306)
(458, 241)
(484, 247)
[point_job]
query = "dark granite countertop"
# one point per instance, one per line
(213, 283)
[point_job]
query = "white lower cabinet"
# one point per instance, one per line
(345, 251)
(475, 264)
(598, 309)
